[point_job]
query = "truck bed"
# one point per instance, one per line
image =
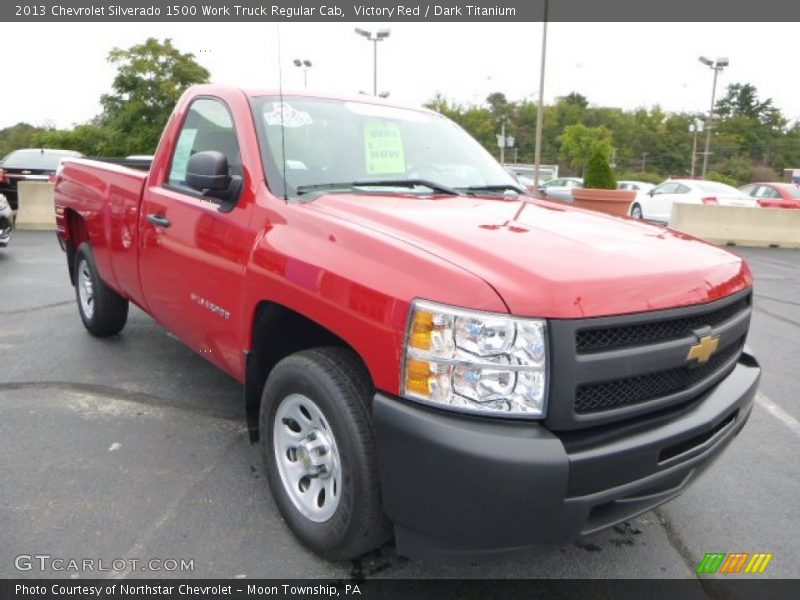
(107, 196)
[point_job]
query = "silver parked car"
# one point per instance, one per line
(561, 188)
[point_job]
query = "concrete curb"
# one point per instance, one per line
(738, 225)
(36, 210)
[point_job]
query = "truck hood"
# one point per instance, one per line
(550, 260)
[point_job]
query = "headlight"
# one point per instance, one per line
(478, 362)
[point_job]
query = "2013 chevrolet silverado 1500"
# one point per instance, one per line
(425, 351)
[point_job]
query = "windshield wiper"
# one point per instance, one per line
(497, 187)
(401, 183)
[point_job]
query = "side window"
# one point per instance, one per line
(666, 188)
(681, 189)
(749, 190)
(766, 191)
(208, 126)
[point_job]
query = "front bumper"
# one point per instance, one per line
(461, 487)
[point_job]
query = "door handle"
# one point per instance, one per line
(159, 220)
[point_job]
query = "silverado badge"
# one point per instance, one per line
(702, 351)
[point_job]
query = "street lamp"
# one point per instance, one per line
(375, 37)
(537, 152)
(305, 65)
(717, 67)
(695, 128)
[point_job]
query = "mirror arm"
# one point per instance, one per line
(229, 196)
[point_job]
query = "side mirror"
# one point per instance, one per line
(208, 173)
(652, 192)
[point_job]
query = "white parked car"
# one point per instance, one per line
(640, 187)
(656, 205)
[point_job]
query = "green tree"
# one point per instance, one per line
(499, 105)
(719, 177)
(750, 135)
(741, 100)
(598, 172)
(579, 143)
(90, 139)
(150, 79)
(21, 135)
(576, 99)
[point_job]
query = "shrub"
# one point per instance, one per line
(598, 172)
(720, 178)
(646, 176)
(764, 174)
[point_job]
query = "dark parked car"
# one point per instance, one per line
(36, 164)
(6, 222)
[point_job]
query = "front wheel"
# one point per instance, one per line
(636, 211)
(319, 451)
(103, 311)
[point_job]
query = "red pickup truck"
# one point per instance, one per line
(425, 351)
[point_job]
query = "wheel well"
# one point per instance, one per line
(76, 235)
(278, 332)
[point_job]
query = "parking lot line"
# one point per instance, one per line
(780, 414)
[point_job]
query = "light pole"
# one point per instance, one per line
(695, 128)
(305, 65)
(537, 152)
(715, 66)
(503, 142)
(375, 37)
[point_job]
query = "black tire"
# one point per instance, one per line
(109, 311)
(337, 382)
(636, 211)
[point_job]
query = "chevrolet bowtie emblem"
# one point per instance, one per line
(702, 351)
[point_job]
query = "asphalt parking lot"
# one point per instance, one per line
(134, 447)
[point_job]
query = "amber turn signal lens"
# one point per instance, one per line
(421, 329)
(418, 377)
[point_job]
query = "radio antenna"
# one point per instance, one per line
(280, 96)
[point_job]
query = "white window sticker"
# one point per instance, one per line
(291, 117)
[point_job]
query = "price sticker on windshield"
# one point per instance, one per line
(383, 147)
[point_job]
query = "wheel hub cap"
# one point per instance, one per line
(85, 289)
(307, 457)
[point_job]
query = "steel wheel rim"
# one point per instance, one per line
(636, 213)
(307, 457)
(85, 289)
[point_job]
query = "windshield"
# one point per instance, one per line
(36, 159)
(334, 143)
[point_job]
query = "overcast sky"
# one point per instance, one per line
(56, 72)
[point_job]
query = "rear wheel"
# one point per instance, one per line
(319, 451)
(636, 211)
(102, 310)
